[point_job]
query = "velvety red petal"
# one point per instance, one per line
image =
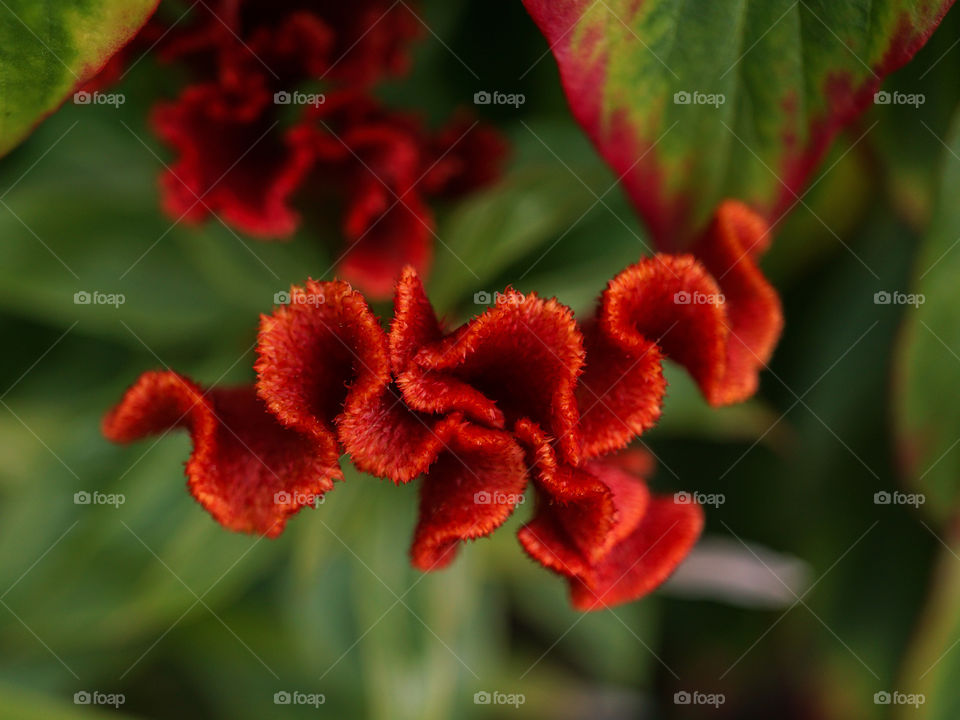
(414, 324)
(575, 514)
(229, 161)
(672, 301)
(518, 360)
(730, 250)
(647, 538)
(387, 439)
(620, 393)
(321, 356)
(644, 559)
(469, 491)
(246, 469)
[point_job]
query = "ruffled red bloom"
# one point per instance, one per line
(243, 154)
(520, 395)
(230, 161)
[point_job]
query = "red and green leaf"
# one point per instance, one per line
(791, 74)
(48, 48)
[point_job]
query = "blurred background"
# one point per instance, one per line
(807, 597)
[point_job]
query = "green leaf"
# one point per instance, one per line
(47, 49)
(694, 102)
(493, 229)
(933, 661)
(926, 413)
(17, 704)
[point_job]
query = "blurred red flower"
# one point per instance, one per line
(249, 142)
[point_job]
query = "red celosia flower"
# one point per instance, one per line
(236, 160)
(521, 394)
(230, 162)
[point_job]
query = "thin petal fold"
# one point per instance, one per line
(644, 559)
(646, 540)
(472, 488)
(321, 358)
(730, 249)
(246, 469)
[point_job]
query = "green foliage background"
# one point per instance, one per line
(156, 601)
